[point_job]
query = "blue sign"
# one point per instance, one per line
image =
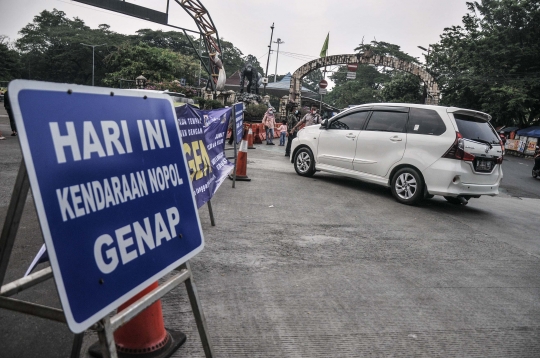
(112, 191)
(238, 109)
(203, 134)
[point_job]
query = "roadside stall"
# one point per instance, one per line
(526, 141)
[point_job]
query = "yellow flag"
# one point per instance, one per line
(325, 46)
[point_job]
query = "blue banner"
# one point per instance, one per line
(238, 109)
(203, 134)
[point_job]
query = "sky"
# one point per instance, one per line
(301, 24)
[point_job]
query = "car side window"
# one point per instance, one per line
(387, 121)
(354, 121)
(425, 121)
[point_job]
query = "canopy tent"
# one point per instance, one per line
(508, 129)
(281, 88)
(278, 89)
(530, 132)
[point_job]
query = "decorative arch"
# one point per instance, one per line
(295, 94)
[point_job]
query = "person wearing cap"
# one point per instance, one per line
(269, 122)
(292, 121)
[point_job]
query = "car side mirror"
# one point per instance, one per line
(324, 124)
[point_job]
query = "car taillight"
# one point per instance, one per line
(457, 151)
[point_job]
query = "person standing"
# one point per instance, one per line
(269, 122)
(309, 119)
(7, 106)
(282, 132)
(292, 121)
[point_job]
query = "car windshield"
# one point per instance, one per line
(476, 129)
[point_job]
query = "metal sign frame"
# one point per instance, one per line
(106, 326)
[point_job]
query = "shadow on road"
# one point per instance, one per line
(437, 204)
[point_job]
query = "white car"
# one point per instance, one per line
(417, 150)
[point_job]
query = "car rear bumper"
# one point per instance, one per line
(449, 177)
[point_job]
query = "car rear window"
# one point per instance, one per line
(425, 121)
(475, 128)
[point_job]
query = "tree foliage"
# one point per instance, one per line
(10, 62)
(154, 63)
(490, 62)
(51, 49)
(312, 79)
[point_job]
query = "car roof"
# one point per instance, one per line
(474, 113)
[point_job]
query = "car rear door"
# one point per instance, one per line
(337, 143)
(382, 143)
(481, 140)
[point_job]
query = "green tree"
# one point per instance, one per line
(51, 49)
(170, 40)
(490, 62)
(312, 79)
(156, 64)
(403, 88)
(10, 63)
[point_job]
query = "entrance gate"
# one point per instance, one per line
(432, 93)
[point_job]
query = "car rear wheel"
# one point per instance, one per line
(407, 186)
(304, 164)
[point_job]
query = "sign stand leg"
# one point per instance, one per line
(106, 339)
(13, 218)
(235, 149)
(198, 312)
(77, 345)
(211, 212)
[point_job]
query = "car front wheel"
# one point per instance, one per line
(407, 186)
(304, 164)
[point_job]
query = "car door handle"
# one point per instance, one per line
(395, 139)
(350, 135)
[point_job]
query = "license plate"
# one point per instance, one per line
(484, 165)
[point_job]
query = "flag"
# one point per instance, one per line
(324, 49)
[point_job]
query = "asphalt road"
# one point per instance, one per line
(517, 180)
(333, 267)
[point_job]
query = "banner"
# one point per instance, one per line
(238, 109)
(203, 134)
(531, 145)
(512, 144)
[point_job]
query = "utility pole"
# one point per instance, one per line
(93, 48)
(200, 62)
(278, 42)
(268, 60)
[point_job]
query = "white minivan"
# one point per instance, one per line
(417, 150)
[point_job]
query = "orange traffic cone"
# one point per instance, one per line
(257, 135)
(241, 160)
(145, 335)
(250, 139)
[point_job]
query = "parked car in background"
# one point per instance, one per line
(417, 150)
